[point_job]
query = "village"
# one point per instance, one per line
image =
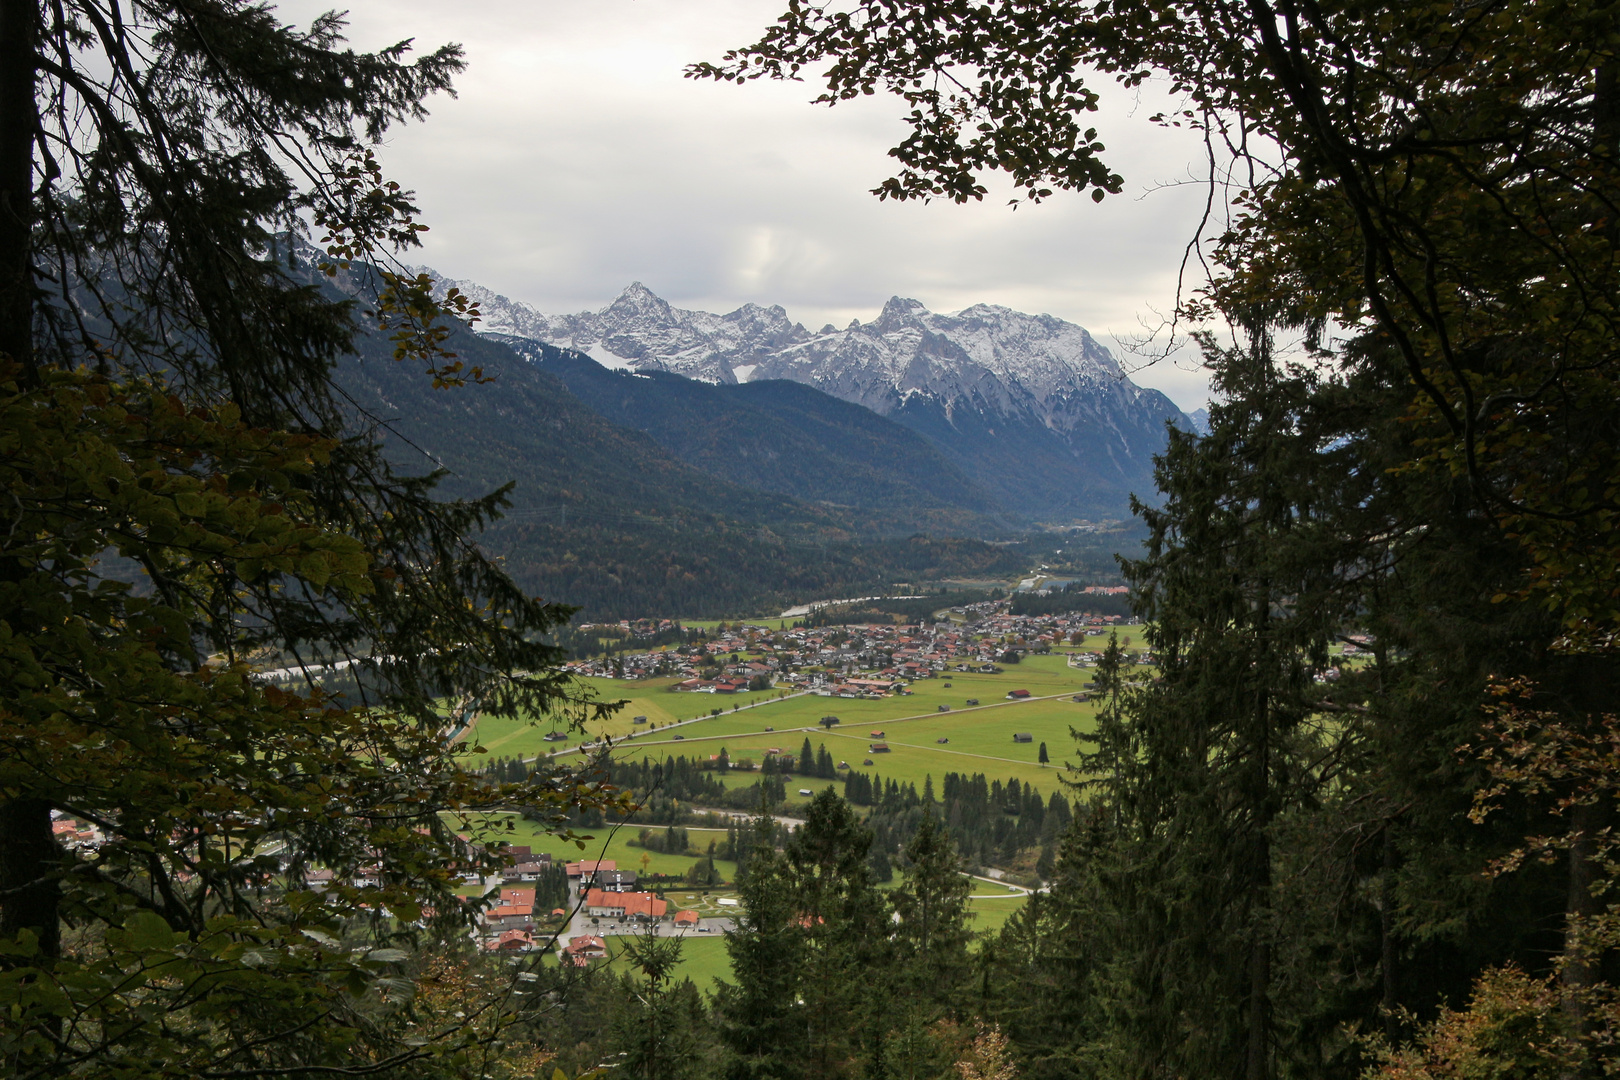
(856, 661)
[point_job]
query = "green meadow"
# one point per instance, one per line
(651, 698)
(979, 739)
(704, 959)
(611, 842)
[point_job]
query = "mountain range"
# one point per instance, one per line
(603, 517)
(1029, 411)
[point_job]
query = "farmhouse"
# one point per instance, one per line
(509, 917)
(511, 941)
(614, 880)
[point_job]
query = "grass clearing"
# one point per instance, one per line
(990, 915)
(703, 959)
(614, 843)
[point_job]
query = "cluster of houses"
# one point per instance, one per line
(862, 661)
(522, 865)
(606, 892)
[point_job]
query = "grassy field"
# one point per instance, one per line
(705, 962)
(979, 739)
(610, 843)
(651, 698)
(703, 959)
(991, 914)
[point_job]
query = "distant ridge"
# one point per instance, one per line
(786, 438)
(1029, 407)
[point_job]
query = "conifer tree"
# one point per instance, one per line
(932, 935)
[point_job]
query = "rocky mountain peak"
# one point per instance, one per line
(899, 312)
(639, 303)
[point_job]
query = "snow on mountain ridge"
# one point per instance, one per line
(1031, 406)
(1040, 352)
(986, 359)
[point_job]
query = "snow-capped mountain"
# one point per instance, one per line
(1032, 405)
(641, 330)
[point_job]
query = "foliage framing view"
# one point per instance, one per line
(168, 418)
(1289, 865)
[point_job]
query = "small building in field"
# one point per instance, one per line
(1023, 736)
(1018, 695)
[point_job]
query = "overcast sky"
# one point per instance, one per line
(576, 160)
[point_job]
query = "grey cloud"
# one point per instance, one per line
(577, 159)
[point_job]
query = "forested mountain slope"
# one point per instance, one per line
(604, 518)
(784, 437)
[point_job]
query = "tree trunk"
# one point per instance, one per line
(1257, 1064)
(1579, 970)
(1386, 932)
(19, 120)
(28, 852)
(28, 888)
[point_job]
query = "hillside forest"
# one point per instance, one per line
(1272, 857)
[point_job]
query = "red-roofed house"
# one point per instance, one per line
(509, 916)
(686, 918)
(584, 949)
(511, 941)
(629, 905)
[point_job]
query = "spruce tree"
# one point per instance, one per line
(932, 936)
